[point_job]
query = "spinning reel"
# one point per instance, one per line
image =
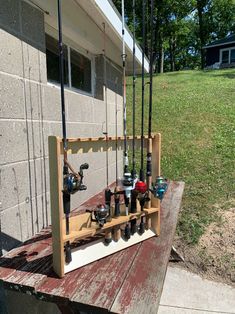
(159, 188)
(73, 181)
(101, 213)
(127, 183)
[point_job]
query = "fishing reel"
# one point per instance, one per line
(141, 189)
(101, 213)
(73, 181)
(127, 183)
(159, 188)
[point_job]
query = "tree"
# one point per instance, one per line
(182, 28)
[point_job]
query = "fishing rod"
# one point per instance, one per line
(149, 152)
(134, 193)
(116, 190)
(141, 186)
(160, 185)
(127, 180)
(103, 211)
(72, 180)
(149, 142)
(108, 193)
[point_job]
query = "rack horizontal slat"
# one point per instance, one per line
(94, 228)
(99, 144)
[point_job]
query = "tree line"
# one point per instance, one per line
(181, 29)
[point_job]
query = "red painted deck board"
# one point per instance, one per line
(95, 284)
(142, 288)
(129, 281)
(25, 259)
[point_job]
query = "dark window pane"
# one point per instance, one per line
(225, 55)
(80, 71)
(232, 56)
(52, 55)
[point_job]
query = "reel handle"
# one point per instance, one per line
(82, 187)
(84, 166)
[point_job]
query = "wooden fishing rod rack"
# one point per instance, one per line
(87, 237)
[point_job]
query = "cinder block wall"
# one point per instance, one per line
(30, 111)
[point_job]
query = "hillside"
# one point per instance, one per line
(195, 112)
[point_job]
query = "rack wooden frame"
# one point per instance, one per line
(81, 226)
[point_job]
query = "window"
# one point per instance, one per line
(232, 56)
(225, 56)
(52, 53)
(80, 71)
(77, 67)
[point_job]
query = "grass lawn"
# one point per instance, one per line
(195, 112)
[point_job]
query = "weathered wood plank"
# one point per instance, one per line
(20, 257)
(94, 285)
(142, 288)
(31, 273)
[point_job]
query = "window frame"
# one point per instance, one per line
(71, 45)
(229, 54)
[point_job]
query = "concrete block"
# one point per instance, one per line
(12, 103)
(112, 115)
(24, 220)
(51, 103)
(38, 133)
(112, 96)
(95, 161)
(32, 62)
(49, 129)
(43, 67)
(98, 130)
(79, 130)
(39, 180)
(9, 15)
(35, 144)
(40, 212)
(33, 25)
(16, 221)
(15, 187)
(13, 141)
(80, 108)
(10, 52)
(99, 113)
(34, 100)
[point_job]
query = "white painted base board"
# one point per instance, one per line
(98, 249)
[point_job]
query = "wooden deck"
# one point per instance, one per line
(129, 281)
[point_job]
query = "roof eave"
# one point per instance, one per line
(223, 44)
(110, 13)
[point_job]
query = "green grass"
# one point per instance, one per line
(195, 112)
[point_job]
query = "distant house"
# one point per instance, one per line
(221, 53)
